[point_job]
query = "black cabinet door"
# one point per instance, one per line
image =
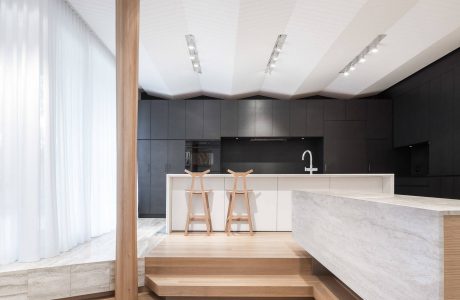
(379, 118)
(194, 119)
(264, 118)
(176, 122)
(176, 156)
(356, 109)
(280, 118)
(456, 124)
(298, 118)
(143, 171)
(158, 163)
(211, 126)
(158, 119)
(345, 156)
(334, 110)
(229, 118)
(380, 155)
(143, 120)
(246, 118)
(315, 118)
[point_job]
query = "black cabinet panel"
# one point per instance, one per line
(264, 118)
(356, 109)
(298, 118)
(143, 121)
(158, 163)
(211, 126)
(456, 121)
(315, 118)
(380, 155)
(334, 110)
(176, 156)
(176, 124)
(143, 169)
(379, 119)
(280, 118)
(345, 129)
(246, 118)
(345, 156)
(194, 119)
(158, 119)
(229, 118)
(441, 156)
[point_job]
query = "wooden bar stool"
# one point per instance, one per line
(231, 204)
(206, 218)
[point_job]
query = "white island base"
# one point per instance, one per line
(270, 198)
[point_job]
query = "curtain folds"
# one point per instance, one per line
(57, 131)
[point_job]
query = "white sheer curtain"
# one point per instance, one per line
(57, 131)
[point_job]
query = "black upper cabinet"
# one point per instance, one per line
(194, 119)
(345, 129)
(143, 121)
(334, 110)
(246, 118)
(356, 110)
(315, 118)
(264, 118)
(379, 119)
(158, 119)
(298, 118)
(229, 118)
(211, 126)
(176, 124)
(280, 118)
(456, 122)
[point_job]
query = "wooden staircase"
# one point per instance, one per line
(263, 266)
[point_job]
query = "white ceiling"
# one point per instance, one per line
(235, 39)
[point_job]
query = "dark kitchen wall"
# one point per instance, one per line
(427, 119)
(356, 134)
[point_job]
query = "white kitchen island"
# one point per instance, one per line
(383, 246)
(271, 196)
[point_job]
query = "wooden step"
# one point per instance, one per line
(228, 266)
(285, 286)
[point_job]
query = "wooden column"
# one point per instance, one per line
(127, 44)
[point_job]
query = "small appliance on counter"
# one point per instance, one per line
(202, 155)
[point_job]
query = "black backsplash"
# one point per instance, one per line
(270, 156)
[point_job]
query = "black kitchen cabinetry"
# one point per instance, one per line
(357, 134)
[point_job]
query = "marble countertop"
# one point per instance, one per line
(441, 205)
(290, 175)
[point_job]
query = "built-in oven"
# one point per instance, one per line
(202, 155)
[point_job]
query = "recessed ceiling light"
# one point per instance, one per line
(275, 52)
(361, 57)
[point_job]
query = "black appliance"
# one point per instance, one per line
(202, 155)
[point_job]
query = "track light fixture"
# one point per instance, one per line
(193, 52)
(275, 53)
(362, 56)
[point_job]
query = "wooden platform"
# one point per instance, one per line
(266, 265)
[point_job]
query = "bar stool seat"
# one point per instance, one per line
(232, 199)
(239, 191)
(198, 192)
(191, 217)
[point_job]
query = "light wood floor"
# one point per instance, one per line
(260, 245)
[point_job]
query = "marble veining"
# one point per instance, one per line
(380, 250)
(86, 269)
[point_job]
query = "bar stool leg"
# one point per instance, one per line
(209, 211)
(230, 213)
(189, 213)
(248, 209)
(206, 214)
